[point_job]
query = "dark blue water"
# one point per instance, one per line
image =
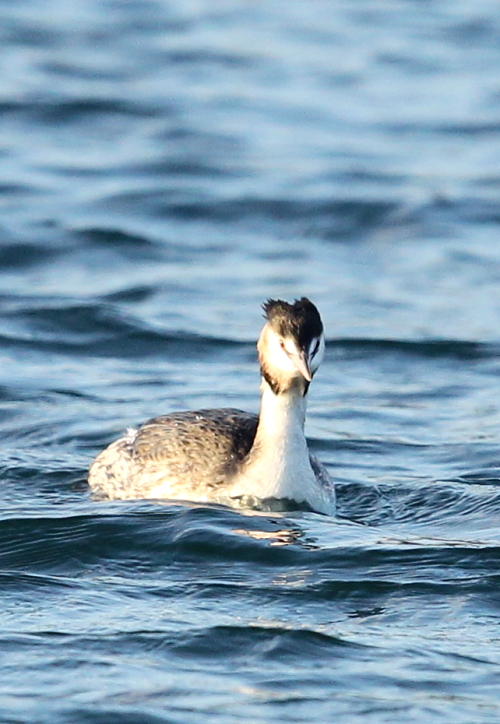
(164, 168)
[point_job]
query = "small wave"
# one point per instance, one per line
(100, 330)
(184, 167)
(263, 643)
(106, 714)
(78, 110)
(131, 247)
(452, 349)
(485, 128)
(446, 504)
(23, 582)
(138, 534)
(66, 544)
(19, 255)
(329, 219)
(128, 245)
(197, 56)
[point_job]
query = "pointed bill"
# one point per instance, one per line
(301, 363)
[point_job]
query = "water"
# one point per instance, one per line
(164, 168)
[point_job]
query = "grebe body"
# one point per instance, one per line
(229, 456)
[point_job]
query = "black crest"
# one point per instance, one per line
(300, 321)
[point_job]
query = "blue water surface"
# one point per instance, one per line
(165, 167)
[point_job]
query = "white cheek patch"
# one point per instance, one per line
(279, 357)
(281, 353)
(290, 346)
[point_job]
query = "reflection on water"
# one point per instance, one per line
(276, 538)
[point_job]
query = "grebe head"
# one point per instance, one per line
(291, 345)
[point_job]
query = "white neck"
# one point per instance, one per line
(281, 416)
(278, 465)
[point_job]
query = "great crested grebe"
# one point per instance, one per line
(228, 456)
